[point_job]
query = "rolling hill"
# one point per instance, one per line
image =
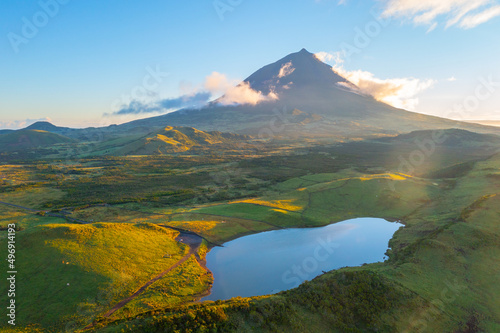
(172, 140)
(29, 139)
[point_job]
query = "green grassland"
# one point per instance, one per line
(184, 284)
(440, 277)
(79, 271)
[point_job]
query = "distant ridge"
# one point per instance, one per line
(314, 102)
(450, 137)
(49, 127)
(485, 122)
(333, 106)
(44, 126)
(28, 139)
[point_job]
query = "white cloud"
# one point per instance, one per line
(17, 124)
(329, 57)
(451, 79)
(286, 69)
(463, 13)
(472, 21)
(398, 92)
(196, 96)
(234, 93)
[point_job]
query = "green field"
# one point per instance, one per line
(79, 271)
(441, 275)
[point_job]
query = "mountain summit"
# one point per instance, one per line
(297, 70)
(303, 81)
(312, 101)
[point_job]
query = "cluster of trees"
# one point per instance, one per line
(345, 301)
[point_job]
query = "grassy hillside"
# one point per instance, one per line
(29, 139)
(79, 271)
(173, 140)
(440, 276)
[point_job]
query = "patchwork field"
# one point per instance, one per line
(440, 277)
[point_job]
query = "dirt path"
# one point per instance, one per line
(194, 245)
(123, 302)
(17, 206)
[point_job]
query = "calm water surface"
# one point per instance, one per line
(273, 261)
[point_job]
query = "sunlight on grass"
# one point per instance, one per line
(89, 266)
(281, 204)
(197, 226)
(391, 176)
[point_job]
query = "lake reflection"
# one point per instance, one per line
(273, 261)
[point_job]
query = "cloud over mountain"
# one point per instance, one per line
(216, 84)
(234, 93)
(138, 107)
(398, 92)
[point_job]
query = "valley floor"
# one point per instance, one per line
(103, 231)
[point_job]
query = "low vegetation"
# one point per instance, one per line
(440, 276)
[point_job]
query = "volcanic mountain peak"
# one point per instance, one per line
(298, 69)
(329, 107)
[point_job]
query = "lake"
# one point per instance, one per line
(272, 261)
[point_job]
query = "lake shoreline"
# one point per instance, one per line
(337, 226)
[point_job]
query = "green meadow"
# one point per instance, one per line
(441, 275)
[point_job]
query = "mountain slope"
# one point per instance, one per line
(313, 102)
(310, 87)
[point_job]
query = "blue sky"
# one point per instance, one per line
(86, 58)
